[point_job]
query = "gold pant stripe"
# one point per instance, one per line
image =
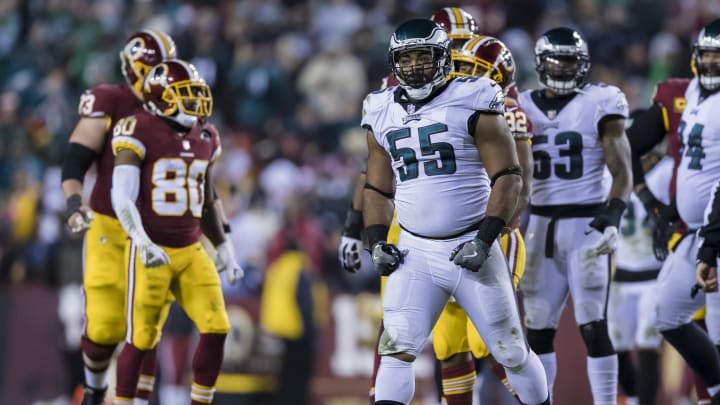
(459, 379)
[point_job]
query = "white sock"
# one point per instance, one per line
(529, 381)
(632, 401)
(174, 395)
(603, 376)
(395, 380)
(549, 362)
(94, 379)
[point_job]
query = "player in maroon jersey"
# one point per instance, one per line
(163, 197)
(648, 130)
(104, 280)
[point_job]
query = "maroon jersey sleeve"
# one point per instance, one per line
(172, 175)
(113, 102)
(670, 95)
(388, 81)
(517, 118)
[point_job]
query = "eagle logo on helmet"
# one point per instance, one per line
(174, 90)
(427, 37)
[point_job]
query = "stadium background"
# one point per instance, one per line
(288, 77)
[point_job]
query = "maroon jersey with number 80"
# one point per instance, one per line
(173, 171)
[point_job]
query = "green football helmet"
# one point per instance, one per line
(419, 77)
(709, 70)
(562, 60)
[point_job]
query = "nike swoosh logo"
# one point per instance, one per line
(587, 232)
(472, 255)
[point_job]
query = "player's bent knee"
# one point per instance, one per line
(107, 333)
(406, 357)
(541, 340)
(511, 355)
(219, 324)
(597, 339)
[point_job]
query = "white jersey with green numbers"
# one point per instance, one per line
(442, 187)
(699, 168)
(567, 149)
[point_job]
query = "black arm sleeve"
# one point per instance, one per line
(646, 131)
(711, 232)
(77, 162)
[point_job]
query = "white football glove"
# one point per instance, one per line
(227, 262)
(349, 253)
(153, 255)
(606, 244)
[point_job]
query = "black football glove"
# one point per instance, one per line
(351, 241)
(471, 255)
(663, 218)
(610, 216)
(386, 257)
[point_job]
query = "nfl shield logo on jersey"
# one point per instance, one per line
(552, 114)
(186, 144)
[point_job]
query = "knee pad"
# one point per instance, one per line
(510, 355)
(541, 340)
(597, 339)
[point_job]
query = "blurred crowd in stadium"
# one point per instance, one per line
(288, 78)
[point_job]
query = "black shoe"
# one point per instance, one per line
(94, 396)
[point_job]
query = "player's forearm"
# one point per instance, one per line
(617, 158)
(211, 224)
(377, 209)
(357, 202)
(524, 152)
(124, 192)
(71, 187)
(504, 197)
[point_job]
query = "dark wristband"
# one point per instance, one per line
(490, 228)
(616, 207)
(376, 233)
(226, 228)
(72, 205)
(646, 196)
(353, 223)
(708, 255)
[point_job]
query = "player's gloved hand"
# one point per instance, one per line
(226, 261)
(606, 244)
(471, 255)
(661, 216)
(351, 243)
(610, 216)
(706, 276)
(152, 255)
(77, 215)
(386, 257)
(349, 253)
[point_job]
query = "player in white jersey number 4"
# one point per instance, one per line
(579, 134)
(699, 169)
(449, 151)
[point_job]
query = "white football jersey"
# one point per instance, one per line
(634, 251)
(699, 169)
(442, 187)
(567, 149)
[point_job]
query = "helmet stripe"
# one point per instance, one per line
(166, 46)
(458, 18)
(474, 43)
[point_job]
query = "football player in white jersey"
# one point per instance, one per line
(631, 307)
(447, 149)
(699, 169)
(575, 204)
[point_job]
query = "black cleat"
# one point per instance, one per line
(94, 396)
